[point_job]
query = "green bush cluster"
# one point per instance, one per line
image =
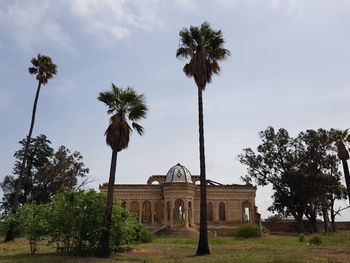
(248, 230)
(73, 222)
(315, 240)
(301, 237)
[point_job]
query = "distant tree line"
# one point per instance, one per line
(303, 172)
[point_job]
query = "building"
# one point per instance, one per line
(173, 200)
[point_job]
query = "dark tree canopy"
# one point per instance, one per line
(45, 173)
(303, 171)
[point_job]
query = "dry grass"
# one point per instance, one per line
(278, 249)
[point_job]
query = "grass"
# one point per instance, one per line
(335, 248)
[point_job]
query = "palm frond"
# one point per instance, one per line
(138, 128)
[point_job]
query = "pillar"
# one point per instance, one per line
(165, 212)
(192, 212)
(140, 211)
(152, 211)
(172, 212)
(186, 212)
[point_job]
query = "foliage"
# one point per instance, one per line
(301, 237)
(33, 223)
(248, 230)
(124, 105)
(315, 240)
(204, 47)
(43, 68)
(303, 172)
(45, 173)
(76, 222)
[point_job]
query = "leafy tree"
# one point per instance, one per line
(341, 139)
(44, 69)
(125, 106)
(203, 46)
(63, 171)
(301, 171)
(39, 154)
(46, 172)
(33, 223)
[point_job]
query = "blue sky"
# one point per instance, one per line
(289, 67)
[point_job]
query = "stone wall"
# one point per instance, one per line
(292, 226)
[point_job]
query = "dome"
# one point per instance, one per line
(178, 174)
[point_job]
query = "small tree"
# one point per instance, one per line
(33, 223)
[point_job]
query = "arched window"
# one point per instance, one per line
(210, 213)
(159, 210)
(246, 210)
(134, 208)
(222, 212)
(179, 212)
(146, 212)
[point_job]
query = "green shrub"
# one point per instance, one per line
(315, 240)
(247, 231)
(33, 223)
(301, 237)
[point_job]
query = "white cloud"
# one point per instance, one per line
(30, 23)
(114, 19)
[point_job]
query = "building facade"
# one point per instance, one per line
(173, 200)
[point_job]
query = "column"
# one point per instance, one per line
(192, 212)
(165, 212)
(140, 211)
(152, 211)
(186, 212)
(171, 213)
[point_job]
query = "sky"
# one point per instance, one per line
(289, 67)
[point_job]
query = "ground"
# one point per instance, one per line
(270, 248)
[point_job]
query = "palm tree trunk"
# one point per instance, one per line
(103, 245)
(10, 233)
(203, 247)
(347, 176)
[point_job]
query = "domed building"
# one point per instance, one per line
(173, 200)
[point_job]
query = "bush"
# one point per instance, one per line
(247, 231)
(301, 237)
(315, 240)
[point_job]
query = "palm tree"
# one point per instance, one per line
(203, 46)
(341, 138)
(44, 69)
(125, 106)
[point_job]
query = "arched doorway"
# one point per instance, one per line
(210, 212)
(190, 214)
(179, 212)
(222, 212)
(246, 212)
(159, 210)
(146, 212)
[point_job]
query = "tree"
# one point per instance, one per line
(44, 69)
(203, 46)
(125, 106)
(341, 139)
(33, 223)
(63, 171)
(45, 174)
(299, 169)
(38, 154)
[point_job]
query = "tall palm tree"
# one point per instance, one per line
(203, 46)
(341, 139)
(44, 69)
(125, 106)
